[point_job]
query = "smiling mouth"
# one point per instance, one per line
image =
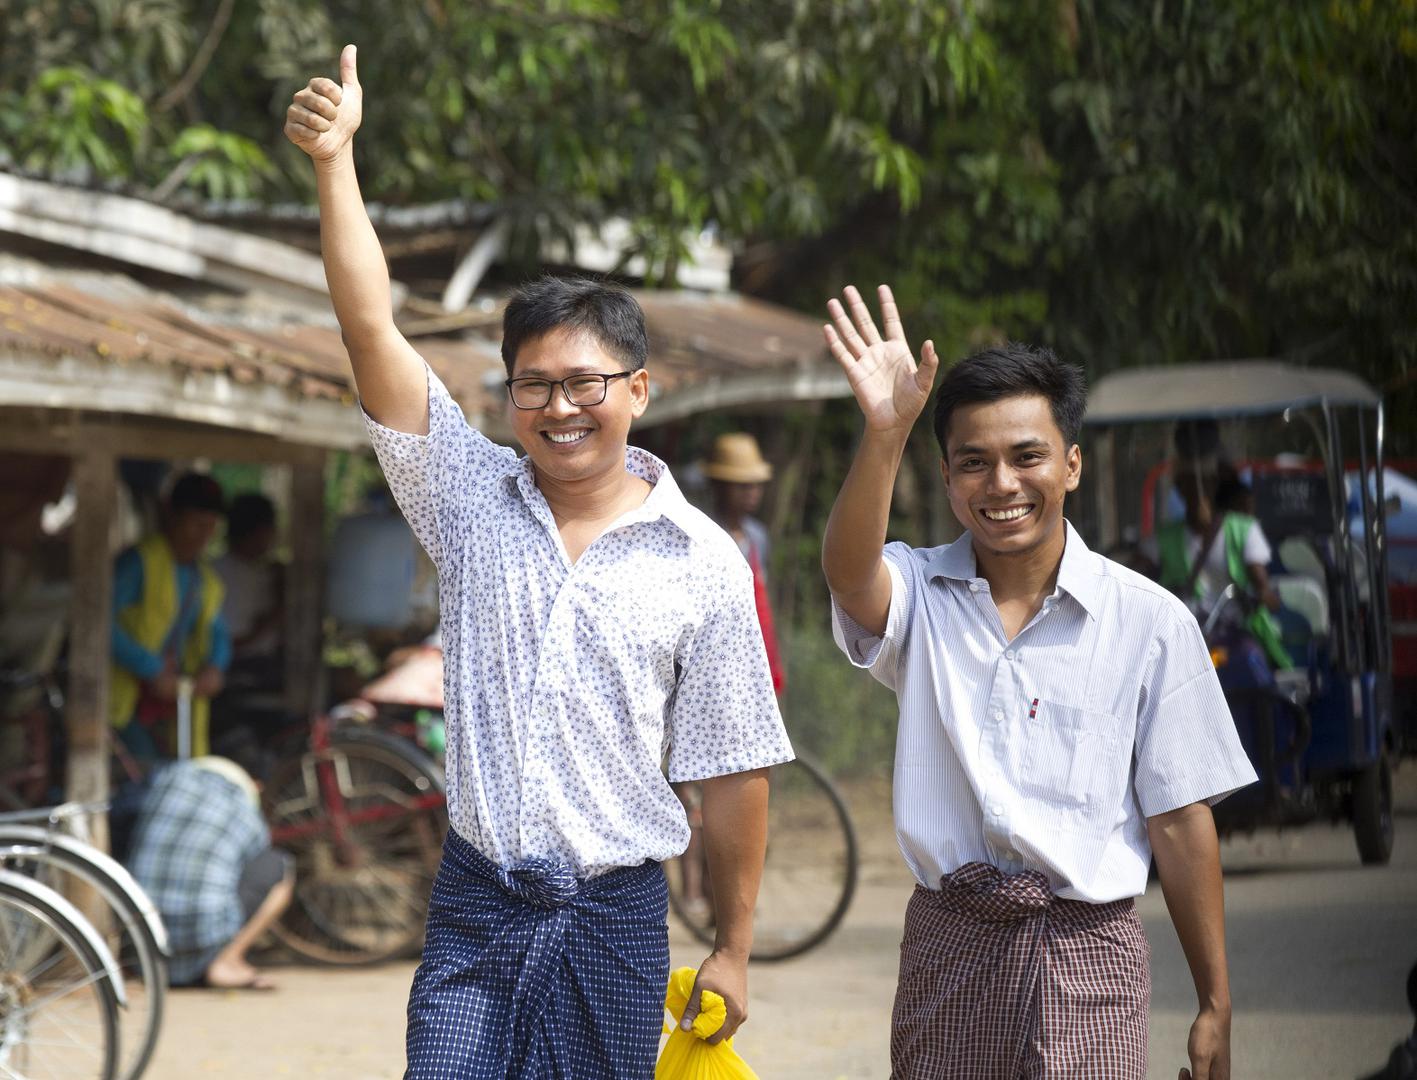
(1006, 514)
(566, 438)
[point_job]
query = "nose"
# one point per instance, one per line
(1002, 479)
(559, 407)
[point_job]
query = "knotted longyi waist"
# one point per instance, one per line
(539, 881)
(988, 895)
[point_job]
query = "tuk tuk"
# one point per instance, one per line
(1299, 452)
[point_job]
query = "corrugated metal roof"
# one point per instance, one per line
(707, 351)
(59, 320)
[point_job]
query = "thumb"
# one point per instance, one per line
(691, 1010)
(1184, 1074)
(347, 75)
(929, 363)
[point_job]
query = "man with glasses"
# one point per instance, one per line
(591, 621)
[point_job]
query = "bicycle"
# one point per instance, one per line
(60, 988)
(364, 812)
(809, 873)
(131, 921)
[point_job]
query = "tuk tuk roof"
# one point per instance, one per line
(1221, 389)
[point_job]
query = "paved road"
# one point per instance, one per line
(1320, 948)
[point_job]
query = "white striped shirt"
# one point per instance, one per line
(1047, 752)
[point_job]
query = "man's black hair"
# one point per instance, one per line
(1013, 370)
(249, 513)
(197, 491)
(606, 312)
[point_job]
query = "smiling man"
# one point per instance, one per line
(592, 620)
(1060, 723)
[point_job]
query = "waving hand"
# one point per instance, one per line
(889, 386)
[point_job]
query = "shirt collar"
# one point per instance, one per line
(1077, 575)
(664, 500)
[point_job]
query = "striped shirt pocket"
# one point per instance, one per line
(1075, 765)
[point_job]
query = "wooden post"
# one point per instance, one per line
(304, 591)
(91, 571)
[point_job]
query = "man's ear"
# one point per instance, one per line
(1074, 467)
(945, 472)
(639, 392)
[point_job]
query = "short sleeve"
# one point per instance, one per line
(725, 717)
(1257, 549)
(431, 474)
(1187, 749)
(881, 655)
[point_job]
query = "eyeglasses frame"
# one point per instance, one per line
(553, 383)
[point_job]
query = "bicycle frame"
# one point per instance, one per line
(324, 773)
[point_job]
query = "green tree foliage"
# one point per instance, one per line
(1136, 183)
(1241, 180)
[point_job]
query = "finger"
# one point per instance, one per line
(890, 314)
(298, 114)
(731, 1023)
(691, 1009)
(347, 73)
(321, 96)
(837, 347)
(848, 333)
(862, 314)
(1185, 1074)
(299, 132)
(929, 364)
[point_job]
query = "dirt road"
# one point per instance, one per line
(1319, 950)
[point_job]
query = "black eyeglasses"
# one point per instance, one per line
(580, 390)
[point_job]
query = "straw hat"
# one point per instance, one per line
(736, 459)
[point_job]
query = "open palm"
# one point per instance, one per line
(889, 386)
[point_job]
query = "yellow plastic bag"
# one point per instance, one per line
(685, 1055)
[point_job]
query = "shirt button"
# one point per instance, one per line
(996, 809)
(1009, 655)
(974, 586)
(1011, 855)
(998, 715)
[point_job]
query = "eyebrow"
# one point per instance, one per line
(542, 373)
(1026, 444)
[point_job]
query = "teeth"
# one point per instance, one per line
(567, 436)
(1006, 515)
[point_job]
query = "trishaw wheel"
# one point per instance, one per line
(361, 894)
(1372, 811)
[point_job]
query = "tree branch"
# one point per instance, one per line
(200, 60)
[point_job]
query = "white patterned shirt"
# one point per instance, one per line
(1048, 752)
(565, 684)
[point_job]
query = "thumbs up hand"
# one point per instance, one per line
(324, 116)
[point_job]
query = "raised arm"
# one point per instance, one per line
(891, 390)
(390, 375)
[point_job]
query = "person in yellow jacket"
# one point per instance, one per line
(167, 624)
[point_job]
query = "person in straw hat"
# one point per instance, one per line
(739, 473)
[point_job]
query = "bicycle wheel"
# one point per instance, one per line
(365, 819)
(134, 931)
(809, 874)
(58, 996)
